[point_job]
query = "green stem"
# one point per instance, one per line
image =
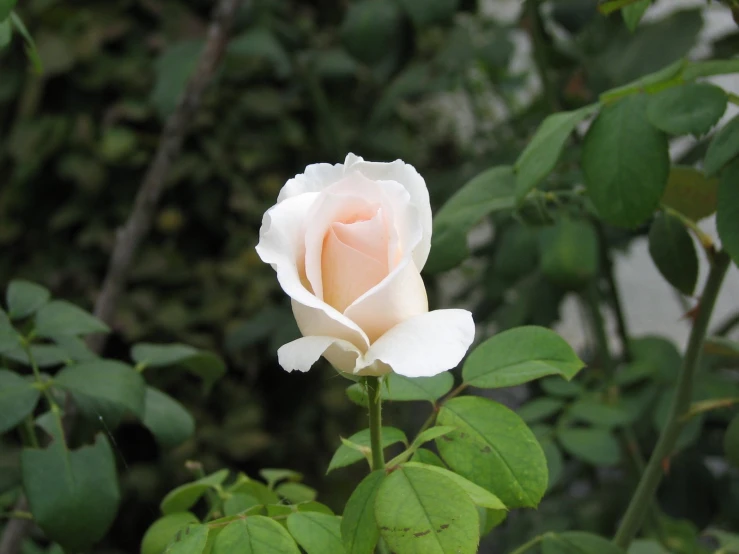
(540, 46)
(592, 301)
(28, 433)
(615, 296)
(375, 421)
(526, 546)
(652, 476)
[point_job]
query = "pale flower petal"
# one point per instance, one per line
(398, 297)
(281, 244)
(425, 345)
(411, 180)
(347, 273)
(302, 353)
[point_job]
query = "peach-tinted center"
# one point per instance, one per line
(354, 258)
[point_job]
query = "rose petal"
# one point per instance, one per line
(398, 297)
(369, 237)
(317, 322)
(411, 180)
(426, 344)
(328, 209)
(315, 178)
(347, 273)
(281, 244)
(302, 353)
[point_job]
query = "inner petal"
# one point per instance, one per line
(369, 237)
(346, 271)
(328, 210)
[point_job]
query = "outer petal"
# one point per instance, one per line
(302, 353)
(281, 244)
(400, 296)
(406, 175)
(426, 344)
(315, 178)
(317, 322)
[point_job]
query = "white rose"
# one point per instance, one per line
(348, 243)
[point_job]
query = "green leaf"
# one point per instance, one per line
(731, 441)
(692, 108)
(261, 44)
(477, 494)
(398, 388)
(430, 12)
(167, 419)
(10, 339)
(721, 346)
(644, 546)
(557, 387)
(316, 533)
(633, 13)
(425, 456)
(419, 510)
(673, 252)
(518, 356)
(345, 455)
(24, 298)
(594, 445)
(190, 540)
(539, 409)
(257, 489)
(690, 192)
(31, 50)
(59, 317)
(359, 530)
(709, 68)
(625, 163)
(73, 495)
(45, 355)
(6, 6)
(254, 535)
(274, 476)
(723, 148)
(18, 398)
(577, 542)
(205, 365)
(238, 503)
(296, 492)
(727, 217)
(570, 253)
(493, 448)
(372, 29)
(555, 461)
(163, 530)
(597, 413)
(105, 382)
(6, 32)
(185, 496)
(543, 151)
(490, 191)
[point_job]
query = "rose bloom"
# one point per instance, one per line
(348, 242)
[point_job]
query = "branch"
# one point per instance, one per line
(632, 520)
(131, 235)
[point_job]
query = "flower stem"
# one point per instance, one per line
(375, 421)
(652, 475)
(524, 547)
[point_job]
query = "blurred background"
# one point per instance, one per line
(450, 86)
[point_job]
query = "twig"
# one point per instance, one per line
(632, 520)
(131, 235)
